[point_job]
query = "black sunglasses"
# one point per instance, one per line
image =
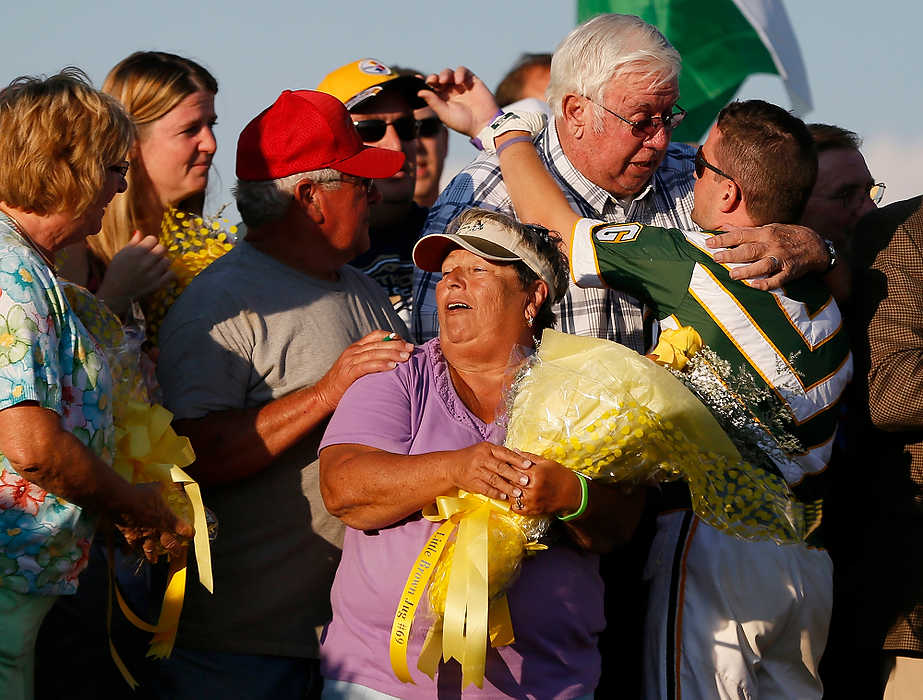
(372, 130)
(701, 164)
(430, 126)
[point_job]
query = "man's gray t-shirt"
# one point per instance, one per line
(250, 329)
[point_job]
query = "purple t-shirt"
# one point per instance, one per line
(556, 603)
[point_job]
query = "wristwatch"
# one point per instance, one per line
(831, 250)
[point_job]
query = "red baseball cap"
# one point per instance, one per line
(308, 130)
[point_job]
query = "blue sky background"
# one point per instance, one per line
(863, 60)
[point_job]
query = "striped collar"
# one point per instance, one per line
(595, 196)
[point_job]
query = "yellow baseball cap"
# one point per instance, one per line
(362, 80)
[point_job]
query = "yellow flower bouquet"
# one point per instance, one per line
(612, 415)
(603, 410)
(193, 243)
(147, 451)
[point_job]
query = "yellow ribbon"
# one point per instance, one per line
(410, 599)
(470, 618)
(116, 659)
(148, 449)
(167, 625)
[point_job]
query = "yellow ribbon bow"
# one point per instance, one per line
(148, 449)
(467, 581)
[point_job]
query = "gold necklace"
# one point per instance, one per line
(18, 228)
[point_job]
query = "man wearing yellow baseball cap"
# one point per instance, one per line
(381, 101)
(362, 80)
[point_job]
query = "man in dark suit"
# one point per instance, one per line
(887, 568)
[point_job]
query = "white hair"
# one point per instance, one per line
(604, 47)
(264, 201)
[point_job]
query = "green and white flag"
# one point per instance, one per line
(721, 42)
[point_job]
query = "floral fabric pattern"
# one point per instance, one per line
(46, 356)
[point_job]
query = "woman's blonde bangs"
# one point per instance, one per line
(59, 137)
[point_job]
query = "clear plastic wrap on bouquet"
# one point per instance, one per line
(147, 451)
(603, 410)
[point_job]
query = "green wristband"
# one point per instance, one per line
(584, 499)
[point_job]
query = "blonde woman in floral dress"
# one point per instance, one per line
(62, 160)
(171, 100)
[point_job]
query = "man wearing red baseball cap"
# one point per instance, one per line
(255, 355)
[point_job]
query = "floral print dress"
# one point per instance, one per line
(46, 356)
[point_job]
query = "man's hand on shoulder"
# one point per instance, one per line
(379, 351)
(239, 443)
(776, 253)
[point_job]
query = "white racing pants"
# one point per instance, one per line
(731, 618)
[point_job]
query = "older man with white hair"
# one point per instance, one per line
(614, 93)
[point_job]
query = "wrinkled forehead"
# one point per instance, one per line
(457, 255)
(642, 90)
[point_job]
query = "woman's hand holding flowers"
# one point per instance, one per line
(551, 489)
(491, 470)
(162, 530)
(533, 485)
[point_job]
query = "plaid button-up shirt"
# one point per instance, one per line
(666, 201)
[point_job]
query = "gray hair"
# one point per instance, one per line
(262, 202)
(604, 47)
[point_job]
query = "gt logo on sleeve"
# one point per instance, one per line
(617, 233)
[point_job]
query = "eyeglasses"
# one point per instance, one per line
(853, 196)
(701, 164)
(360, 182)
(650, 125)
(428, 127)
(877, 192)
(120, 168)
(372, 130)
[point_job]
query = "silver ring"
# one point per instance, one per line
(776, 265)
(519, 502)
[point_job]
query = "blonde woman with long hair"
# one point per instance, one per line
(171, 100)
(62, 161)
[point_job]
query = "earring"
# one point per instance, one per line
(529, 320)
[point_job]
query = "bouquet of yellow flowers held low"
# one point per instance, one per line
(193, 243)
(147, 451)
(610, 414)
